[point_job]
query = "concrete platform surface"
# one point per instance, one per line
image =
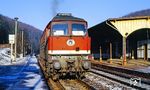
(135, 64)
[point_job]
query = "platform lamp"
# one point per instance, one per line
(16, 27)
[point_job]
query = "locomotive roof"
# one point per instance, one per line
(64, 17)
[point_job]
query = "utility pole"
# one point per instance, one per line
(22, 51)
(16, 26)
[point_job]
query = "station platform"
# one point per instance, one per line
(23, 76)
(133, 64)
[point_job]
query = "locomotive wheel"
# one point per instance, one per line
(55, 77)
(81, 75)
(77, 75)
(49, 69)
(46, 69)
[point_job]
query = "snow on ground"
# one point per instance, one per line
(30, 78)
(5, 58)
(146, 70)
(25, 74)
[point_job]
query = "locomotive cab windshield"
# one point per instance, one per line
(61, 29)
(78, 29)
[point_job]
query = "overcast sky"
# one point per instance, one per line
(39, 12)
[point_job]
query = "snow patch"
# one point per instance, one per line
(145, 70)
(5, 56)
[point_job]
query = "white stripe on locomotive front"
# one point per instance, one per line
(68, 52)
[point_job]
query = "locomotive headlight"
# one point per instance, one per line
(70, 42)
(57, 65)
(86, 65)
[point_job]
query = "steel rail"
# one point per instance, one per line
(60, 84)
(120, 76)
(75, 84)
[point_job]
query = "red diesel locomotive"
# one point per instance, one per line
(65, 47)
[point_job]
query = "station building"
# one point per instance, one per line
(126, 38)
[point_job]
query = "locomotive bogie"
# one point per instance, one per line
(70, 63)
(67, 65)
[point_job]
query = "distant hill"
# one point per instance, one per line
(145, 12)
(31, 34)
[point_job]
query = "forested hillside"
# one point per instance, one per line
(31, 34)
(145, 12)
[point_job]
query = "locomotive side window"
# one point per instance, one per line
(78, 29)
(60, 29)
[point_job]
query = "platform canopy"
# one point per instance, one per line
(129, 35)
(126, 26)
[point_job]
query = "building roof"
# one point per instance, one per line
(129, 18)
(66, 17)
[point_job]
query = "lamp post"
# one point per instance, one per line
(22, 51)
(16, 26)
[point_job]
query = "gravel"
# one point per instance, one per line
(101, 83)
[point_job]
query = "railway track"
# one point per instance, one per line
(100, 78)
(74, 84)
(66, 84)
(99, 82)
(55, 85)
(134, 79)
